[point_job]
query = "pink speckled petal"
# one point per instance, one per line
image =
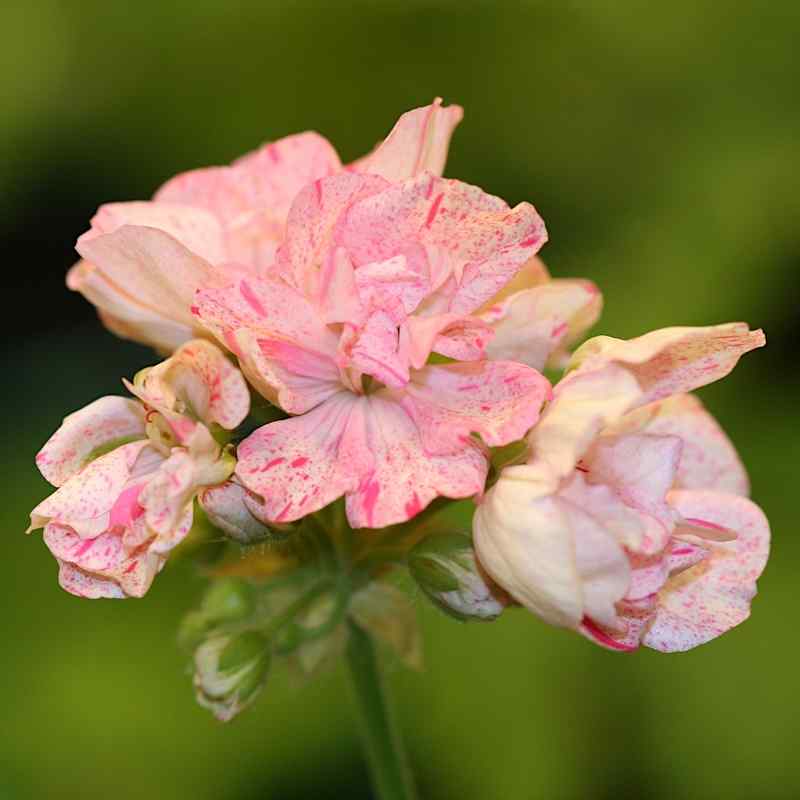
(99, 425)
(706, 600)
(535, 324)
(583, 405)
(167, 498)
(86, 500)
(375, 348)
(640, 468)
(84, 584)
(708, 460)
(144, 279)
(451, 335)
(392, 285)
(633, 529)
(283, 344)
(197, 230)
(485, 242)
(405, 478)
(310, 225)
(200, 380)
(366, 447)
(418, 142)
(252, 197)
(301, 464)
(498, 400)
(672, 360)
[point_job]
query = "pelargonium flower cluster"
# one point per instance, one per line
(397, 327)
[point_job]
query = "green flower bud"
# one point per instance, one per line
(227, 600)
(445, 568)
(230, 671)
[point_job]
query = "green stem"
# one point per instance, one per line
(391, 777)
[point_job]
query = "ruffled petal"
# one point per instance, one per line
(672, 360)
(283, 344)
(484, 242)
(199, 380)
(706, 600)
(584, 403)
(86, 500)
(300, 465)
(196, 229)
(708, 459)
(142, 280)
(536, 324)
(100, 425)
(640, 468)
(366, 447)
(252, 197)
(498, 400)
(404, 478)
(310, 225)
(418, 143)
(451, 335)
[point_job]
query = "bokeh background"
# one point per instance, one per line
(660, 143)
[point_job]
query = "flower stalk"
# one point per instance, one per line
(380, 736)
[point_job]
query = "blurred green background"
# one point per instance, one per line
(661, 144)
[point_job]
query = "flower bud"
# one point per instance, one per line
(227, 600)
(229, 672)
(445, 568)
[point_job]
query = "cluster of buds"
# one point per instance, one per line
(357, 355)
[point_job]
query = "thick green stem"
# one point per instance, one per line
(391, 777)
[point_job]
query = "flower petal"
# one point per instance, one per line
(310, 224)
(451, 335)
(196, 229)
(523, 540)
(533, 324)
(672, 360)
(485, 242)
(584, 403)
(300, 465)
(705, 601)
(364, 446)
(283, 344)
(85, 501)
(418, 142)
(252, 197)
(82, 433)
(200, 380)
(641, 469)
(498, 400)
(708, 460)
(144, 280)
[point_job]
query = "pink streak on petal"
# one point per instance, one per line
(434, 209)
(251, 299)
(126, 508)
(603, 638)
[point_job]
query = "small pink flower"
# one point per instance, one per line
(372, 278)
(144, 260)
(630, 523)
(118, 512)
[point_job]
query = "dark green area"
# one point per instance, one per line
(660, 141)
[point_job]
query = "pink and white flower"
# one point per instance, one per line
(127, 472)
(630, 521)
(371, 279)
(143, 261)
